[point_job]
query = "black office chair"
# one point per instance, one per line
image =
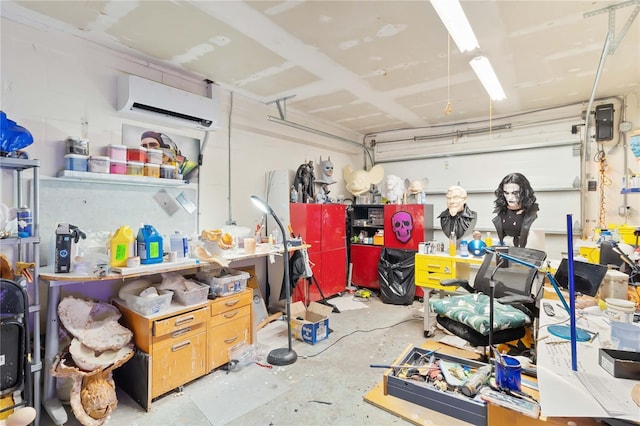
(467, 316)
(15, 371)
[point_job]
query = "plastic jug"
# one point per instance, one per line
(150, 249)
(121, 246)
(179, 243)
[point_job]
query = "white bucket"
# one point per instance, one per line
(620, 310)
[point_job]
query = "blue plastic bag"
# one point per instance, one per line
(12, 136)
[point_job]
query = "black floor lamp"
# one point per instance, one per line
(280, 356)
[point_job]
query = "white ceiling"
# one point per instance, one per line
(368, 65)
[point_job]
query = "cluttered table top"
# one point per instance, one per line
(590, 391)
(47, 273)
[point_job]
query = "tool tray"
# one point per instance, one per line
(450, 402)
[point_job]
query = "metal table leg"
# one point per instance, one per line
(50, 399)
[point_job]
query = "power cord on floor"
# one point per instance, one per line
(360, 331)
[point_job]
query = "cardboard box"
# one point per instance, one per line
(621, 364)
(310, 324)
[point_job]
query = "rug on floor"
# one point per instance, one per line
(222, 391)
(347, 302)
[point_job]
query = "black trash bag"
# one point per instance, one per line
(396, 276)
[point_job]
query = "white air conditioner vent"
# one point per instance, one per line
(151, 101)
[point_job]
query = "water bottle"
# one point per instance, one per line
(179, 243)
(464, 248)
(294, 194)
(277, 238)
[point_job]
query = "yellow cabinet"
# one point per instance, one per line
(229, 324)
(430, 269)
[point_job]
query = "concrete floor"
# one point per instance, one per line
(325, 386)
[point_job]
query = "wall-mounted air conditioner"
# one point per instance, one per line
(148, 100)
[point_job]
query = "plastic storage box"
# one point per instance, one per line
(137, 154)
(118, 152)
(76, 162)
(224, 281)
(99, 164)
(149, 305)
(135, 168)
(152, 170)
(77, 146)
(194, 296)
(118, 167)
(154, 156)
(168, 171)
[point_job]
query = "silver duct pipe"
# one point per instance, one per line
(459, 133)
(230, 221)
(480, 151)
(319, 133)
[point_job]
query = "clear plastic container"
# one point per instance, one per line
(626, 336)
(99, 164)
(76, 162)
(135, 168)
(117, 167)
(137, 154)
(152, 170)
(118, 152)
(168, 171)
(149, 305)
(77, 146)
(154, 156)
(193, 296)
(224, 281)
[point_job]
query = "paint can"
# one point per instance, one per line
(25, 222)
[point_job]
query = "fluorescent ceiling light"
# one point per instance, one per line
(453, 17)
(488, 78)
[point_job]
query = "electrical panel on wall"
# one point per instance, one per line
(604, 122)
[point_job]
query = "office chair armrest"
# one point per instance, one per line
(458, 282)
(515, 298)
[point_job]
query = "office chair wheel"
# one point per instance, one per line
(427, 334)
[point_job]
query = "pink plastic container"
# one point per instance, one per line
(118, 153)
(118, 167)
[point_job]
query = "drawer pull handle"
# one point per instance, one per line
(180, 346)
(181, 332)
(232, 302)
(231, 314)
(183, 320)
(231, 340)
(435, 266)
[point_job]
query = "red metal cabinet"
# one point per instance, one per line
(323, 226)
(406, 226)
(364, 265)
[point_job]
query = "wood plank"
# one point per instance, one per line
(408, 411)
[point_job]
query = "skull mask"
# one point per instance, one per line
(402, 225)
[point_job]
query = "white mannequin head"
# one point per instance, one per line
(456, 199)
(511, 192)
